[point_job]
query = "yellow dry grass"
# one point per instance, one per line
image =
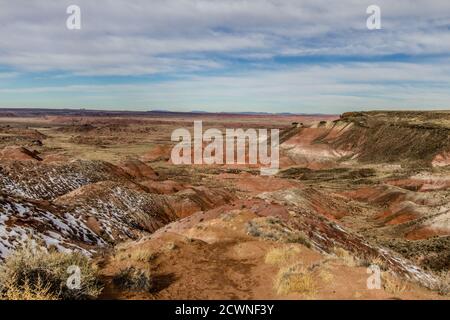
(295, 279)
(32, 273)
(346, 257)
(11, 290)
(393, 284)
(325, 275)
(138, 254)
(282, 256)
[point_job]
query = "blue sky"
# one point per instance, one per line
(234, 55)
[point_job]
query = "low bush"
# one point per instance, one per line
(132, 279)
(296, 279)
(34, 274)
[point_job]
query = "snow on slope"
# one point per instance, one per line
(21, 220)
(47, 181)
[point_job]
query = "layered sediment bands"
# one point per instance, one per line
(138, 170)
(325, 235)
(402, 212)
(432, 253)
(15, 153)
(370, 138)
(423, 182)
(331, 174)
(309, 146)
(194, 199)
(414, 224)
(120, 211)
(372, 184)
(37, 180)
(384, 138)
(92, 203)
(442, 159)
(52, 226)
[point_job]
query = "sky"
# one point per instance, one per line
(294, 56)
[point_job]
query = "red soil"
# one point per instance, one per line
(18, 153)
(425, 233)
(158, 153)
(441, 160)
(137, 169)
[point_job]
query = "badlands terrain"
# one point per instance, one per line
(354, 191)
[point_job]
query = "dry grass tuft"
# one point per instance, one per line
(274, 229)
(37, 291)
(443, 287)
(393, 284)
(282, 256)
(373, 260)
(346, 257)
(378, 261)
(35, 274)
(326, 276)
(132, 279)
(171, 246)
(295, 279)
(139, 255)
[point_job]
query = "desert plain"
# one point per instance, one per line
(358, 195)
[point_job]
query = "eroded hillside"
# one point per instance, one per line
(360, 190)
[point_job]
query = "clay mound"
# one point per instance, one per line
(158, 153)
(324, 235)
(310, 147)
(435, 226)
(17, 153)
(39, 180)
(119, 211)
(137, 169)
(386, 137)
(22, 132)
(258, 222)
(406, 214)
(394, 217)
(255, 184)
(162, 187)
(441, 159)
(194, 199)
(330, 205)
(379, 195)
(370, 137)
(48, 224)
(423, 183)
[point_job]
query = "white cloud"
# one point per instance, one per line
(137, 34)
(311, 89)
(183, 37)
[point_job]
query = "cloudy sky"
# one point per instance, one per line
(310, 56)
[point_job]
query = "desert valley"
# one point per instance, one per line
(355, 192)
